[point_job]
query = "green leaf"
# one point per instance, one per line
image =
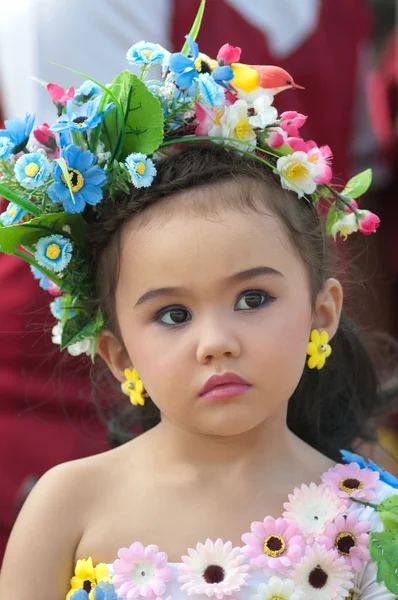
(388, 511)
(383, 548)
(358, 185)
(22, 202)
(65, 173)
(142, 119)
(195, 26)
(332, 218)
(80, 327)
(28, 234)
(40, 81)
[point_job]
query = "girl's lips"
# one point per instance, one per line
(226, 385)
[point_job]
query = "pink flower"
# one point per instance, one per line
(229, 54)
(297, 144)
(321, 157)
(368, 222)
(141, 572)
(353, 204)
(350, 538)
(276, 136)
(209, 120)
(351, 481)
(273, 545)
(54, 290)
(59, 95)
(45, 136)
(292, 121)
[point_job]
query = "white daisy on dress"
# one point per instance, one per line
(282, 589)
(214, 569)
(313, 507)
(323, 575)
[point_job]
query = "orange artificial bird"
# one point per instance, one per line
(253, 81)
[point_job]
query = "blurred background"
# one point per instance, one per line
(345, 53)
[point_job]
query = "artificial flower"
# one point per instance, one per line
(209, 120)
(189, 67)
(145, 54)
(12, 215)
(321, 158)
(87, 577)
(213, 569)
(384, 475)
(57, 310)
(265, 113)
(275, 136)
(228, 54)
(141, 168)
(18, 130)
(347, 224)
(57, 333)
(292, 121)
(86, 91)
(82, 347)
(350, 538)
(44, 282)
(297, 173)
(313, 507)
(322, 574)
(54, 252)
(86, 180)
(350, 481)
(81, 118)
(44, 136)
(318, 349)
(235, 124)
(273, 545)
(59, 95)
(102, 591)
(133, 387)
(210, 93)
(277, 589)
(32, 170)
(141, 572)
(6, 148)
(368, 222)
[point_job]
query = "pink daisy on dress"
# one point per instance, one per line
(141, 572)
(273, 545)
(323, 575)
(214, 569)
(350, 538)
(350, 481)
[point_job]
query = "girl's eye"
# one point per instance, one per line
(173, 316)
(253, 299)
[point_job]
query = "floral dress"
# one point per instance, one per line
(337, 539)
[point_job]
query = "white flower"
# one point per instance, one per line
(266, 114)
(282, 589)
(214, 569)
(67, 229)
(57, 333)
(235, 124)
(297, 173)
(346, 225)
(323, 575)
(313, 507)
(81, 347)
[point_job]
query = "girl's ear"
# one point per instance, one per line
(328, 307)
(113, 352)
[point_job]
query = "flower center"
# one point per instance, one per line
(76, 180)
(147, 53)
(322, 348)
(274, 545)
(80, 120)
(53, 251)
(12, 211)
(141, 168)
(350, 485)
(218, 113)
(344, 542)
(32, 169)
(276, 598)
(213, 574)
(318, 578)
(142, 573)
(297, 171)
(243, 128)
(88, 585)
(202, 66)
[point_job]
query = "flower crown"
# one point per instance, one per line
(107, 138)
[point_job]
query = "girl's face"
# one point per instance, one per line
(200, 295)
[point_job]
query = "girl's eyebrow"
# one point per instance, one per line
(241, 276)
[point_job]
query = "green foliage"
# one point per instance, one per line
(22, 202)
(81, 326)
(332, 218)
(358, 185)
(118, 180)
(388, 511)
(383, 548)
(195, 26)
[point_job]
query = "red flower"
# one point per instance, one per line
(229, 54)
(59, 95)
(45, 136)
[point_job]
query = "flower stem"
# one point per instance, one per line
(374, 506)
(32, 261)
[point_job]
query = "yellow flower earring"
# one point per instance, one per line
(133, 387)
(318, 349)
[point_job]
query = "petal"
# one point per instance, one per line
(193, 47)
(95, 175)
(315, 337)
(312, 348)
(91, 194)
(328, 351)
(184, 80)
(57, 192)
(324, 338)
(321, 362)
(179, 62)
(313, 361)
(223, 74)
(76, 206)
(84, 161)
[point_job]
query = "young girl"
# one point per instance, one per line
(202, 279)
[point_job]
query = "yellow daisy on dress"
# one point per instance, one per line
(87, 576)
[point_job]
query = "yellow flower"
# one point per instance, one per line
(133, 387)
(87, 576)
(318, 349)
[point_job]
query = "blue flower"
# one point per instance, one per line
(211, 94)
(185, 66)
(385, 476)
(13, 214)
(54, 252)
(81, 118)
(6, 148)
(145, 54)
(85, 179)
(141, 169)
(18, 130)
(102, 591)
(223, 74)
(44, 281)
(57, 310)
(87, 90)
(31, 170)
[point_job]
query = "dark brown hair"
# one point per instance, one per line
(330, 408)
